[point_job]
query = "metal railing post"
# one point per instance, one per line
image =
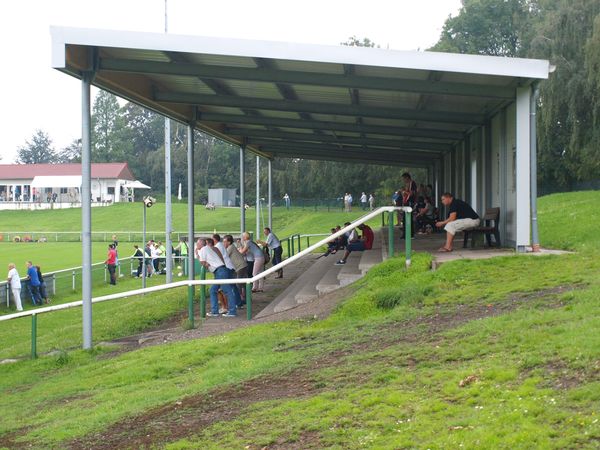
(289, 248)
(249, 301)
(307, 241)
(390, 234)
(202, 292)
(293, 252)
(73, 280)
(407, 235)
(53, 284)
(299, 242)
(33, 336)
(191, 305)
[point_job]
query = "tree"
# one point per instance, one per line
(71, 153)
(107, 129)
(353, 41)
(488, 27)
(37, 150)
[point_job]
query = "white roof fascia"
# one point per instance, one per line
(59, 181)
(443, 62)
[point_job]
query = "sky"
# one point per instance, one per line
(34, 96)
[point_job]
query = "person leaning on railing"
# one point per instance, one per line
(230, 266)
(15, 285)
(255, 254)
(239, 263)
(275, 246)
(211, 258)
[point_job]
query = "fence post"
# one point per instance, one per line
(53, 284)
(307, 241)
(7, 295)
(73, 280)
(299, 241)
(249, 301)
(105, 273)
(407, 235)
(293, 245)
(390, 234)
(191, 305)
(202, 292)
(289, 248)
(33, 336)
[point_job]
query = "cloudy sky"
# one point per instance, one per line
(35, 96)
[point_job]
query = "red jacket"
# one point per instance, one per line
(112, 257)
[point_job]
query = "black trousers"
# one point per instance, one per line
(112, 271)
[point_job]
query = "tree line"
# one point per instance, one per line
(566, 32)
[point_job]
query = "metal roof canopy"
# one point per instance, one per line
(303, 101)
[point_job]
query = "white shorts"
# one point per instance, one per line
(461, 225)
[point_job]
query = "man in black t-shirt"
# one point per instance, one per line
(460, 217)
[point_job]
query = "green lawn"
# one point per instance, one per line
(522, 333)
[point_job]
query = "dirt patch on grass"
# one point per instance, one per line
(192, 414)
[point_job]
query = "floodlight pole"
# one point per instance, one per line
(257, 236)
(86, 209)
(168, 207)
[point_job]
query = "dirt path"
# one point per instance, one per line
(185, 418)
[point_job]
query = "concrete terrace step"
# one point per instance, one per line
(324, 276)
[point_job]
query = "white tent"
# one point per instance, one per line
(51, 181)
(136, 185)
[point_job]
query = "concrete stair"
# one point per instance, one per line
(324, 276)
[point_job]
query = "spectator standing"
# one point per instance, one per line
(350, 200)
(139, 255)
(371, 202)
(34, 284)
(211, 258)
(43, 291)
(111, 264)
(460, 217)
(149, 267)
(116, 245)
(363, 201)
(253, 251)
(15, 285)
(239, 263)
(276, 250)
(230, 266)
(287, 200)
(410, 198)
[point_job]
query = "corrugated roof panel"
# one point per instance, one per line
(217, 60)
(386, 99)
(308, 66)
(320, 94)
(136, 54)
(391, 72)
(253, 89)
(280, 114)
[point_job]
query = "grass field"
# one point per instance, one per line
(503, 353)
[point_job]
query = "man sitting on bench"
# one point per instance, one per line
(358, 245)
(460, 217)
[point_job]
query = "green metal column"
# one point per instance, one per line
(407, 235)
(390, 234)
(191, 306)
(202, 293)
(33, 336)
(249, 301)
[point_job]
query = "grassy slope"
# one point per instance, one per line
(402, 394)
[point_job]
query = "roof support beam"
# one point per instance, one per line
(382, 162)
(340, 140)
(331, 126)
(360, 157)
(270, 75)
(319, 108)
(330, 150)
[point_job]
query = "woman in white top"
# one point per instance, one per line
(251, 250)
(15, 285)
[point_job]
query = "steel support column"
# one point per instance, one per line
(523, 172)
(270, 196)
(190, 194)
(257, 235)
(168, 208)
(242, 188)
(86, 208)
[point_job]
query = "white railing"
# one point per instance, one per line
(98, 236)
(247, 281)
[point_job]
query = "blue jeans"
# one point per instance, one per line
(222, 273)
(36, 297)
(235, 290)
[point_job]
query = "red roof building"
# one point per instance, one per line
(60, 184)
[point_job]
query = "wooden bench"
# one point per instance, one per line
(491, 214)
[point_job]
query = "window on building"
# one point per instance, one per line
(111, 191)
